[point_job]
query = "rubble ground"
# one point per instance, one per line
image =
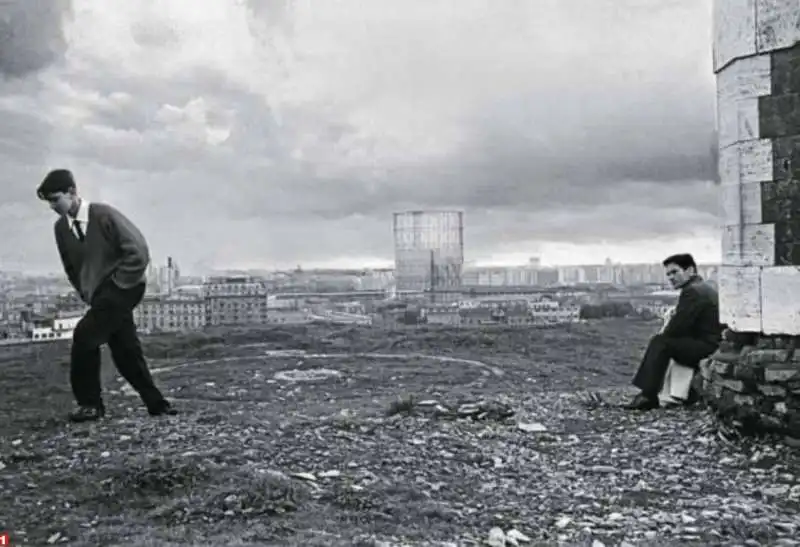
(345, 436)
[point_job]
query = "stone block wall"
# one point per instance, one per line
(755, 388)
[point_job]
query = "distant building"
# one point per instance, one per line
(50, 328)
(533, 274)
(429, 250)
(235, 301)
(156, 314)
(442, 314)
(163, 280)
(513, 310)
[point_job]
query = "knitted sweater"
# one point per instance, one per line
(113, 247)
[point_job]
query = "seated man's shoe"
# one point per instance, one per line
(673, 402)
(693, 398)
(87, 414)
(162, 409)
(643, 402)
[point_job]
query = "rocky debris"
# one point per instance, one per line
(512, 538)
(532, 427)
(495, 410)
(467, 459)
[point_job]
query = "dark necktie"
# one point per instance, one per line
(79, 230)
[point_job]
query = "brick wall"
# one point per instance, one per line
(755, 388)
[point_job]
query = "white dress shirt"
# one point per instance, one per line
(81, 216)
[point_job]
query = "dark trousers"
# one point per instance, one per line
(110, 321)
(655, 362)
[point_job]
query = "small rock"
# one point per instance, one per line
(776, 490)
(105, 454)
(497, 538)
(515, 535)
(563, 522)
(304, 476)
(55, 537)
(598, 543)
(532, 427)
(469, 409)
(331, 474)
(603, 469)
(16, 442)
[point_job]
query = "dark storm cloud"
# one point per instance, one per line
(616, 107)
(31, 35)
(559, 120)
(31, 39)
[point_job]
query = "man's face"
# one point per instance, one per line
(61, 202)
(677, 276)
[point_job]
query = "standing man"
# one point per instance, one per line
(691, 335)
(105, 258)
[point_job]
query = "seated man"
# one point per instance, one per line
(692, 334)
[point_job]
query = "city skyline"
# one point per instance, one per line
(267, 134)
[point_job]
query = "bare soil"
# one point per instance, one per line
(317, 435)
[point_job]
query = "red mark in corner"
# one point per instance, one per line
(5, 539)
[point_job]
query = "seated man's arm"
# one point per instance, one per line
(690, 304)
(667, 319)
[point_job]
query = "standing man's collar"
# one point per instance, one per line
(82, 214)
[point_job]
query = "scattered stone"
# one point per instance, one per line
(603, 469)
(563, 522)
(497, 538)
(303, 476)
(333, 473)
(532, 427)
(516, 537)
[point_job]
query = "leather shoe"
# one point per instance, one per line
(642, 402)
(87, 414)
(162, 409)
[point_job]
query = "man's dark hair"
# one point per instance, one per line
(683, 260)
(57, 180)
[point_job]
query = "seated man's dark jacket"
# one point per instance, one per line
(697, 313)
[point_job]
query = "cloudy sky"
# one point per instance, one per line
(269, 133)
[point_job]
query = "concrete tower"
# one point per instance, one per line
(754, 380)
(757, 66)
(429, 250)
